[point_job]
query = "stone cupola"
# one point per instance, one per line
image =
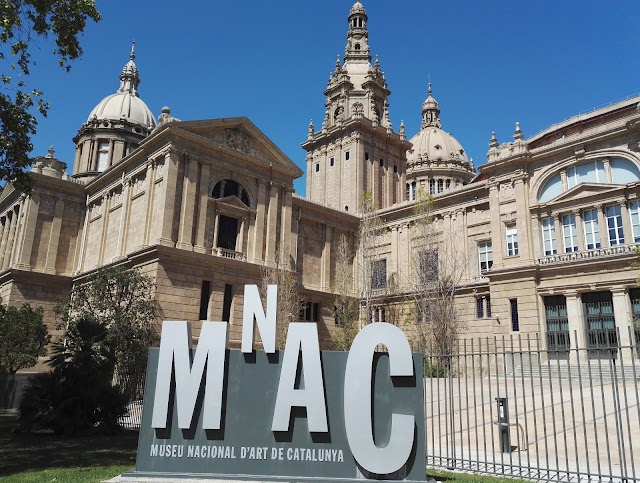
(114, 127)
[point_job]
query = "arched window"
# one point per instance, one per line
(229, 187)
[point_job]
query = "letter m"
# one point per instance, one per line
(175, 357)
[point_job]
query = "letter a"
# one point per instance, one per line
(301, 337)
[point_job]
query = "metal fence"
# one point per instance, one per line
(132, 385)
(505, 406)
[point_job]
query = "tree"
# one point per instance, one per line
(25, 24)
(345, 305)
(23, 337)
(282, 274)
(369, 231)
(438, 267)
(122, 301)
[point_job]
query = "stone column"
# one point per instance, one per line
(524, 242)
(272, 221)
(243, 228)
(538, 246)
(602, 226)
(4, 233)
(216, 223)
(497, 241)
(557, 223)
(189, 180)
(203, 209)
(10, 240)
(261, 210)
(149, 195)
(170, 173)
(325, 270)
(285, 225)
(579, 230)
(577, 329)
(123, 225)
(32, 206)
(106, 205)
(626, 222)
(624, 322)
(83, 240)
(54, 238)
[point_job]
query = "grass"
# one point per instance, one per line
(43, 457)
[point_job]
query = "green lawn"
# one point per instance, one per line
(43, 457)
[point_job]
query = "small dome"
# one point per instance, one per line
(434, 144)
(124, 105)
(357, 8)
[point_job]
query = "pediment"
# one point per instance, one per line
(240, 134)
(585, 190)
(233, 202)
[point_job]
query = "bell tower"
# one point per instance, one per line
(356, 150)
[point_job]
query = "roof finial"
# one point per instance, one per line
(493, 143)
(429, 91)
(50, 152)
(518, 133)
(132, 55)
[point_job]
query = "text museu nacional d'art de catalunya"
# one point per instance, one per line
(300, 412)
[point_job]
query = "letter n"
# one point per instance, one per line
(175, 354)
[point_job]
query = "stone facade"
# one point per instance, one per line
(544, 233)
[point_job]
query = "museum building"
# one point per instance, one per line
(544, 233)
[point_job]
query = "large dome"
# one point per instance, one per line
(124, 105)
(433, 144)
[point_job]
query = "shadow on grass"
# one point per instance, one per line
(38, 451)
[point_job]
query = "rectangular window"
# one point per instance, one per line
(379, 274)
(378, 314)
(614, 224)
(512, 240)
(591, 230)
(366, 155)
(634, 213)
(317, 167)
(103, 156)
(485, 255)
(346, 155)
(515, 321)
(226, 302)
(309, 311)
(549, 236)
(331, 162)
(488, 299)
(479, 308)
(205, 293)
(381, 162)
(440, 186)
(570, 233)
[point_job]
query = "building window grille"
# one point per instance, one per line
(485, 255)
(591, 230)
(549, 236)
(432, 186)
(634, 212)
(558, 338)
(379, 274)
(515, 320)
(570, 233)
(488, 299)
(440, 186)
(602, 339)
(205, 293)
(634, 295)
(479, 308)
(614, 224)
(512, 240)
(408, 192)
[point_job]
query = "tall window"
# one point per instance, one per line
(432, 186)
(379, 274)
(205, 293)
(570, 233)
(485, 255)
(614, 224)
(103, 156)
(440, 186)
(512, 240)
(591, 230)
(549, 236)
(227, 300)
(515, 320)
(634, 212)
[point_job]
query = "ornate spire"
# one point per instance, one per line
(430, 111)
(493, 143)
(517, 135)
(311, 130)
(403, 134)
(129, 78)
(357, 37)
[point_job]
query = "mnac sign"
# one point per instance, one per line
(296, 414)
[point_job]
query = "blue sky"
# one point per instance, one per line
(491, 64)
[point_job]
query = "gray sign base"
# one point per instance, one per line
(141, 477)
